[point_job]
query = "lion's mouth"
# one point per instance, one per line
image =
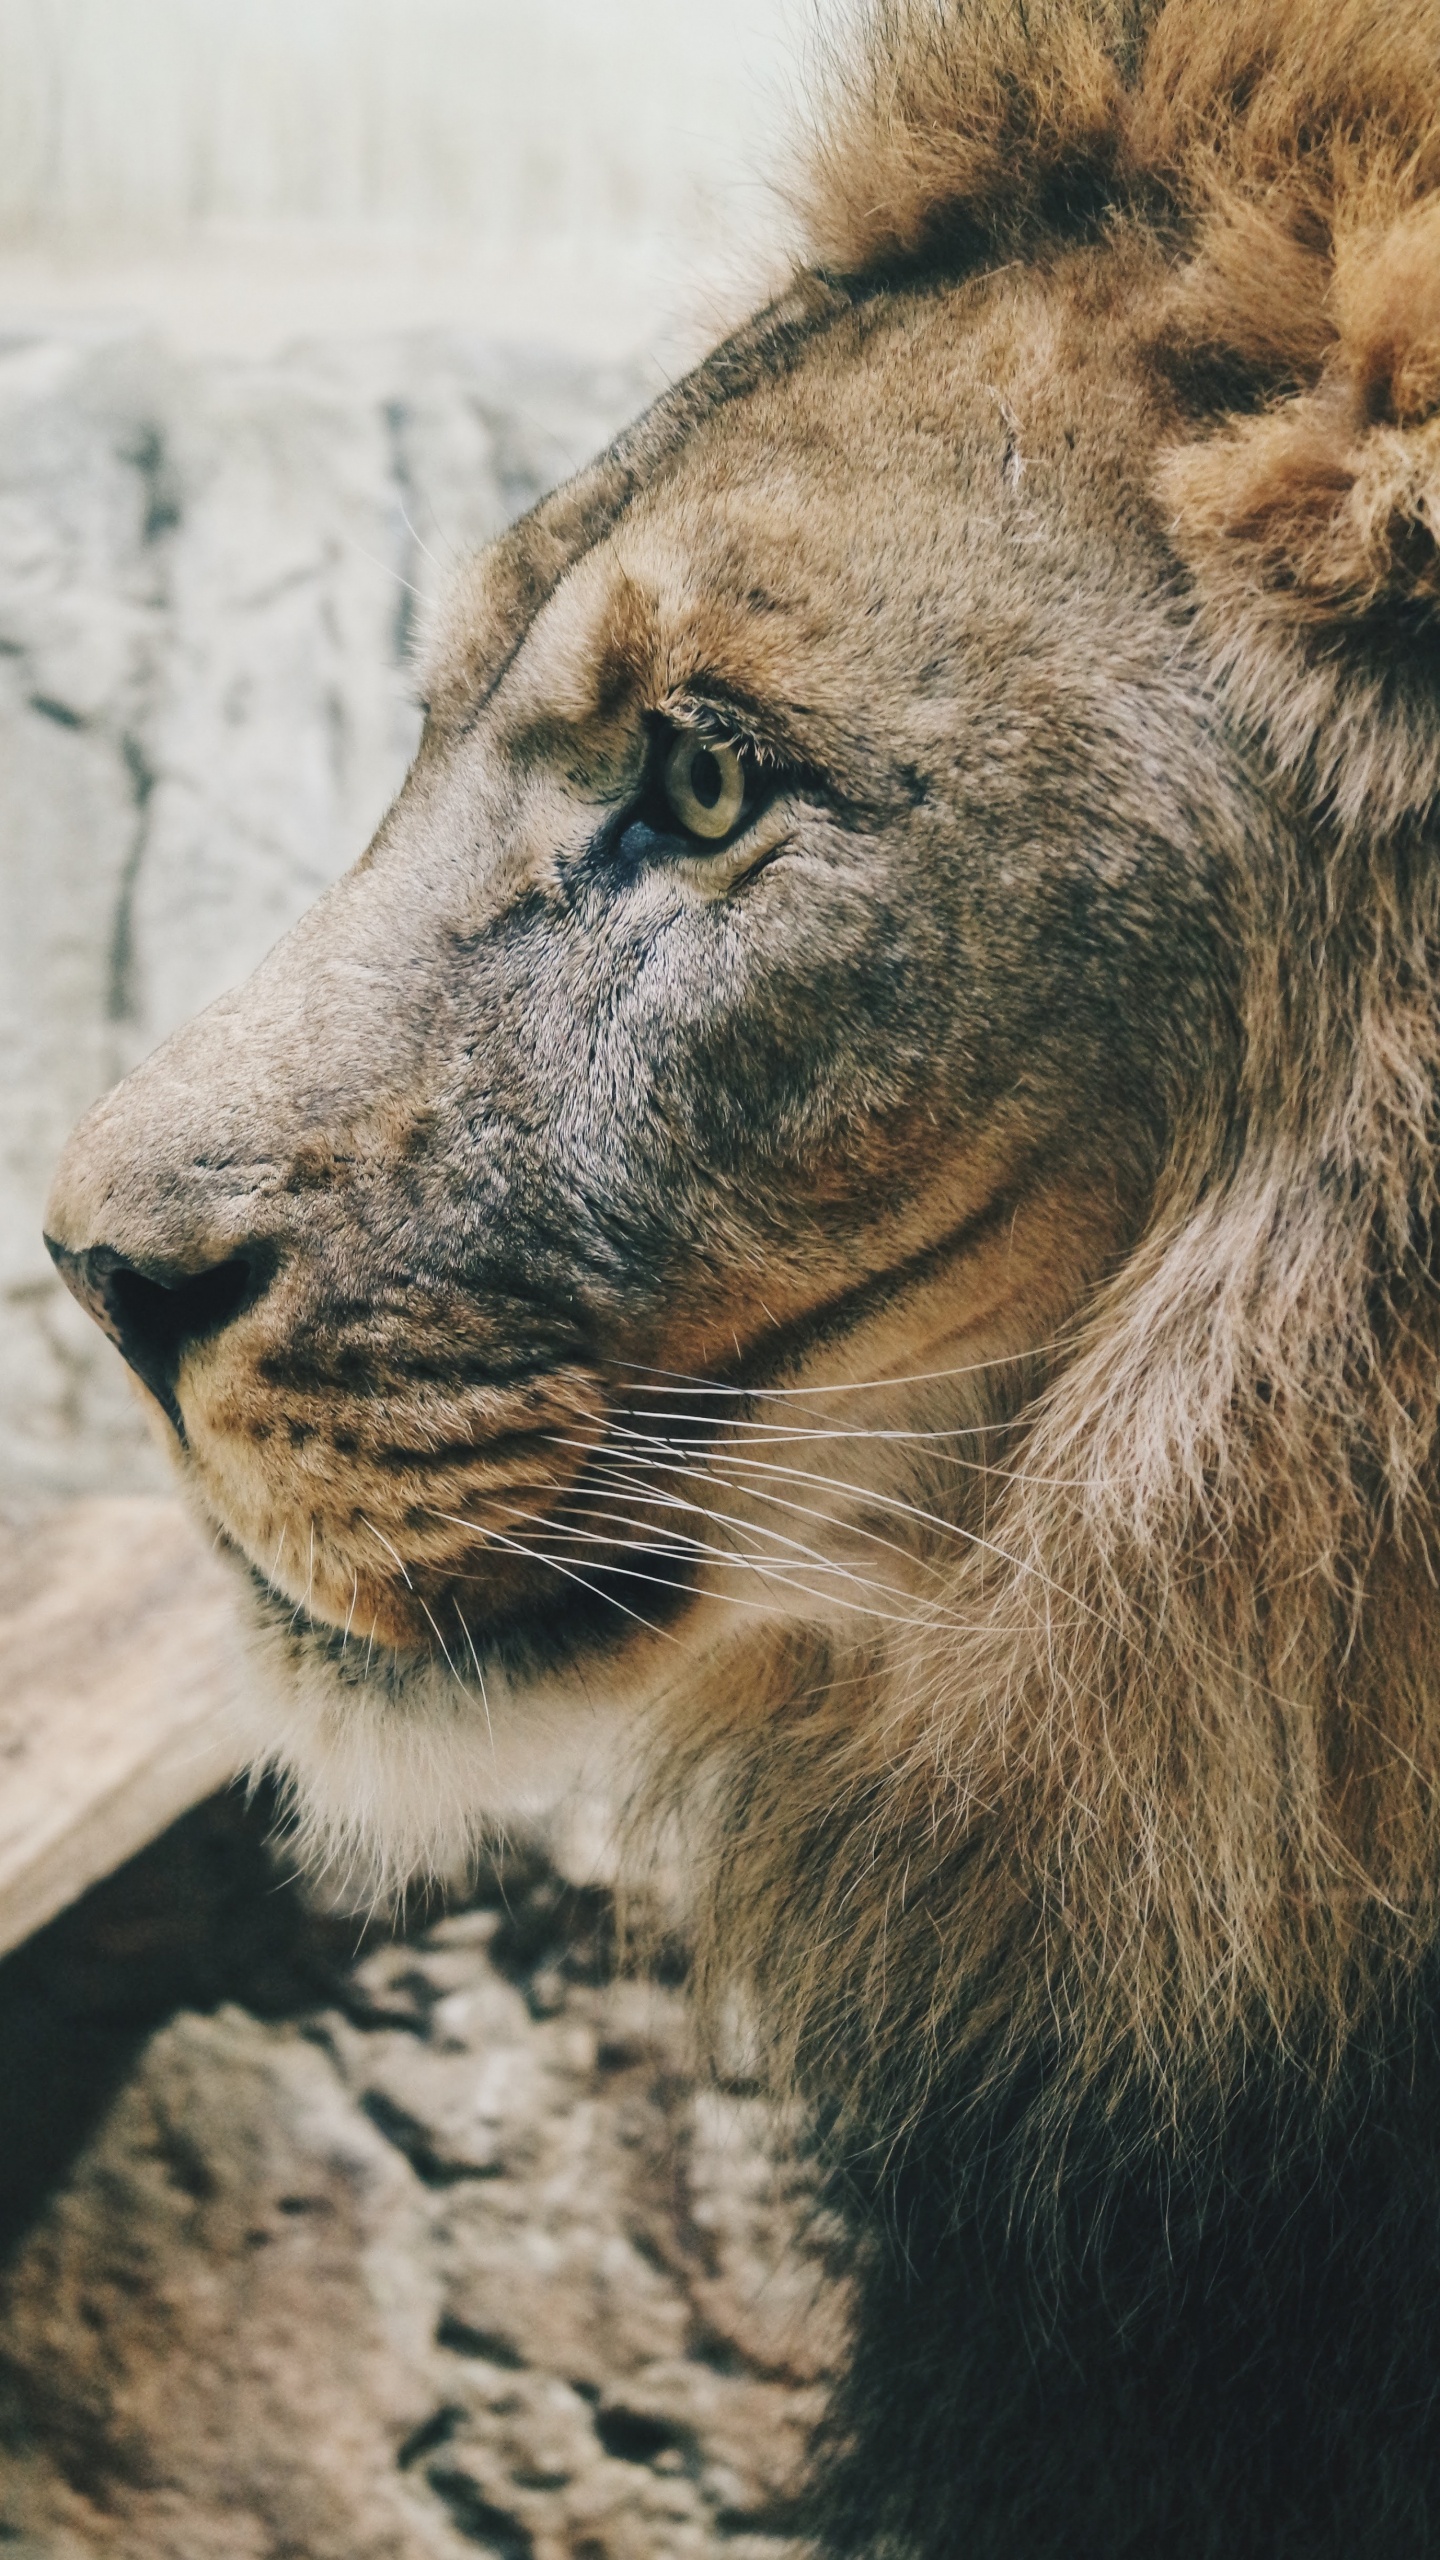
(530, 1609)
(600, 1509)
(568, 1539)
(472, 1517)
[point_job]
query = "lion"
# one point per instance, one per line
(846, 1197)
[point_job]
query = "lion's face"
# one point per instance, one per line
(784, 967)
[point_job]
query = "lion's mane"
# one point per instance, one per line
(1152, 1790)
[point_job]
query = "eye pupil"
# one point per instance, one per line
(706, 779)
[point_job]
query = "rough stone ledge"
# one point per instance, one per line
(389, 2251)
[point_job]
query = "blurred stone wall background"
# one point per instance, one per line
(299, 300)
(567, 169)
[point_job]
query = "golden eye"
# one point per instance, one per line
(705, 784)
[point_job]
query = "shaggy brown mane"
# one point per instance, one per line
(1155, 1787)
(1290, 156)
(942, 128)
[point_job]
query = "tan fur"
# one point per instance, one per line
(1117, 370)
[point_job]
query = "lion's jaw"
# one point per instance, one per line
(827, 1510)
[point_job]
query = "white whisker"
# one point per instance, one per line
(445, 1649)
(686, 1382)
(707, 1475)
(397, 1559)
(774, 1434)
(765, 1566)
(971, 1539)
(690, 1590)
(498, 1537)
(930, 1519)
(420, 546)
(303, 1603)
(385, 566)
(475, 1658)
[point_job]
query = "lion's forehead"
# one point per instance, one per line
(917, 463)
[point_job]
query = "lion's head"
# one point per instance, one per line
(853, 1171)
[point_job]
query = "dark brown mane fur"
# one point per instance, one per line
(1156, 1788)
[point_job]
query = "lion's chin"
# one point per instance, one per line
(396, 1769)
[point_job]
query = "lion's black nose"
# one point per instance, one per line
(154, 1315)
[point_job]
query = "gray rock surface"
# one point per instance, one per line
(462, 2257)
(211, 578)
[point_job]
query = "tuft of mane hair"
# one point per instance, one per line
(1290, 156)
(945, 129)
(947, 133)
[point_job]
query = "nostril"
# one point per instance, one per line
(154, 1316)
(164, 1317)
